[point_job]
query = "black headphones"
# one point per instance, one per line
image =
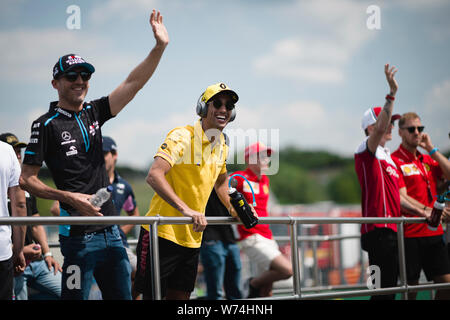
(202, 109)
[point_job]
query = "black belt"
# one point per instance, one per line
(75, 232)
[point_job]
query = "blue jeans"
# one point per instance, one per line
(222, 267)
(39, 277)
(98, 254)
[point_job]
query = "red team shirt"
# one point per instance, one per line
(261, 189)
(419, 177)
(379, 180)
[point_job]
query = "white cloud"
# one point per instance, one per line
(138, 138)
(33, 52)
(336, 31)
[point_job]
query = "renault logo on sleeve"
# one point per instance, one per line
(66, 135)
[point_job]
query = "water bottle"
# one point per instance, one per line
(436, 214)
(101, 196)
(242, 208)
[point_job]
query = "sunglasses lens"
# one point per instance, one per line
(229, 106)
(413, 129)
(217, 104)
(71, 76)
(85, 76)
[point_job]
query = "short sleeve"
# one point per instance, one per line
(175, 145)
(37, 145)
(101, 109)
(15, 170)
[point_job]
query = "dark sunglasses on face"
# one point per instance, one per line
(218, 103)
(72, 76)
(413, 129)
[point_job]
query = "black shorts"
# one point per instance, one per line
(427, 253)
(381, 245)
(177, 266)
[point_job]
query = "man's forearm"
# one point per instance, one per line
(140, 75)
(40, 236)
(18, 209)
(411, 208)
(36, 187)
(164, 190)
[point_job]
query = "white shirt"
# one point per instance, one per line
(9, 177)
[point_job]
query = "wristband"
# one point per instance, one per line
(48, 254)
(389, 97)
(433, 151)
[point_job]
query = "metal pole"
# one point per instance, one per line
(294, 258)
(316, 264)
(401, 259)
(155, 261)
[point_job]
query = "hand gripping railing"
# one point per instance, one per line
(292, 222)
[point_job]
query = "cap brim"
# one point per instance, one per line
(85, 65)
(395, 117)
(232, 94)
(20, 145)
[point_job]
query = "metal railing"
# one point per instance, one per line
(292, 223)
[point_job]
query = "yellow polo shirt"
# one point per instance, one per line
(195, 168)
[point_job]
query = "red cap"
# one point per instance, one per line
(256, 148)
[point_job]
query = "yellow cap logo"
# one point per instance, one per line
(241, 203)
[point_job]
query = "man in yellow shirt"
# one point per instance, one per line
(188, 165)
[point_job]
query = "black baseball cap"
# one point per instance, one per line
(68, 62)
(12, 140)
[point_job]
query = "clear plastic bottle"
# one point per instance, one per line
(101, 196)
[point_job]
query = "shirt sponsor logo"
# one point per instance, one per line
(93, 127)
(34, 133)
(67, 142)
(410, 170)
(73, 151)
(36, 125)
(63, 112)
(392, 172)
(255, 186)
(66, 135)
(34, 140)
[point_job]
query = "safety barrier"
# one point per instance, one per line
(292, 222)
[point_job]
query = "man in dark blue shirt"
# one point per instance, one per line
(68, 138)
(123, 199)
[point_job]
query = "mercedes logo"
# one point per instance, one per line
(66, 135)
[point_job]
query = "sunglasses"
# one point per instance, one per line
(72, 76)
(413, 129)
(218, 103)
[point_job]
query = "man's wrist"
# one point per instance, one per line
(47, 254)
(432, 150)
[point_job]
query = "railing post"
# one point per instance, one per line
(294, 257)
(155, 262)
(316, 264)
(401, 258)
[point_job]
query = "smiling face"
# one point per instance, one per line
(71, 94)
(219, 112)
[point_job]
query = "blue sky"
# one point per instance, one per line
(306, 70)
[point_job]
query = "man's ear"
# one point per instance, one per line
(55, 84)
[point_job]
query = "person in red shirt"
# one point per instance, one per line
(419, 174)
(380, 197)
(258, 243)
